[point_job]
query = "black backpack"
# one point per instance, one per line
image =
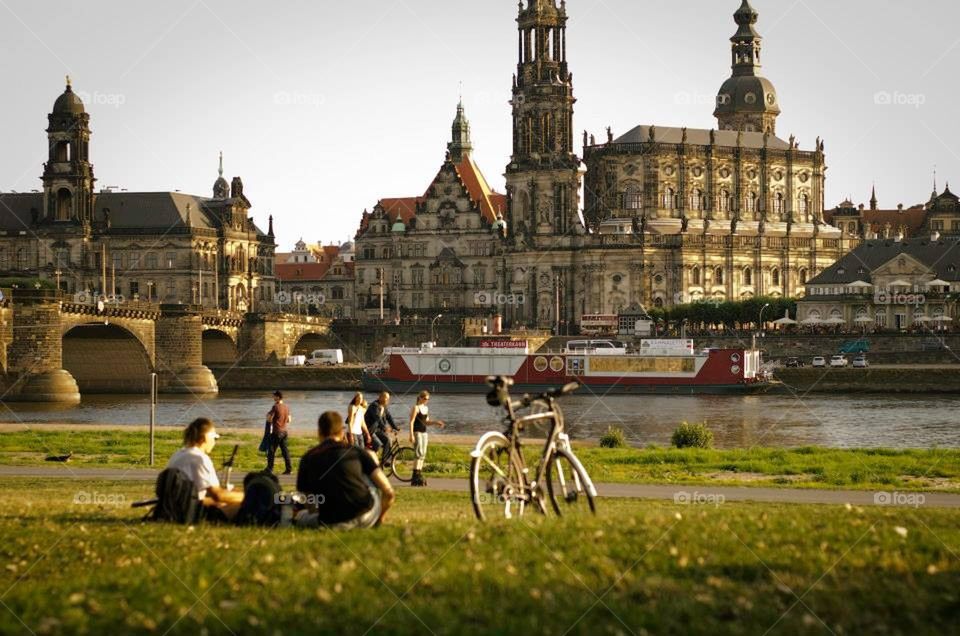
(177, 500)
(261, 500)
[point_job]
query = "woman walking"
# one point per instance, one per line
(357, 433)
(419, 420)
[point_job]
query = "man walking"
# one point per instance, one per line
(279, 420)
(378, 418)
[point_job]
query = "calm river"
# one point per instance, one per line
(769, 420)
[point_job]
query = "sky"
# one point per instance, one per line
(325, 107)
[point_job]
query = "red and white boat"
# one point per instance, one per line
(603, 367)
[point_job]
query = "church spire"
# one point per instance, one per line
(221, 189)
(460, 145)
(873, 198)
(747, 101)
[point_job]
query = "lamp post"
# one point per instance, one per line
(432, 324)
(762, 309)
(57, 273)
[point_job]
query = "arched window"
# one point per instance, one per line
(775, 276)
(337, 293)
(778, 205)
(747, 276)
(723, 202)
(670, 199)
(658, 302)
(751, 202)
(696, 200)
(632, 198)
(64, 205)
(803, 276)
(805, 206)
(718, 276)
(695, 276)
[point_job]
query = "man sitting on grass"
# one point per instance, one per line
(199, 439)
(343, 485)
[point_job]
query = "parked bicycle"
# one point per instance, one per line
(500, 482)
(400, 461)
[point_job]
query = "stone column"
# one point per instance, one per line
(179, 346)
(35, 356)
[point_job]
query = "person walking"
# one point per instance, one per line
(419, 421)
(357, 433)
(279, 421)
(377, 419)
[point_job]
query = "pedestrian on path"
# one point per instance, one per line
(419, 421)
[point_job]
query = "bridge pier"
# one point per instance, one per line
(179, 351)
(35, 355)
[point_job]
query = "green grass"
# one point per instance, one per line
(868, 469)
(638, 567)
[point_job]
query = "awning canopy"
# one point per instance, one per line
(860, 284)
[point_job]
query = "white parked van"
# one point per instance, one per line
(325, 357)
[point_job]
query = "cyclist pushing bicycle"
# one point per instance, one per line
(500, 481)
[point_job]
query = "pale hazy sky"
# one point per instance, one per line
(323, 107)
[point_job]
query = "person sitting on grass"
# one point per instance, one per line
(419, 420)
(199, 439)
(343, 485)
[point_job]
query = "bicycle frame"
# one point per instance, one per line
(556, 438)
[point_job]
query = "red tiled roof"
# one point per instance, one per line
(404, 208)
(289, 272)
(480, 190)
(911, 219)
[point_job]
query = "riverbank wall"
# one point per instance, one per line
(886, 380)
(235, 378)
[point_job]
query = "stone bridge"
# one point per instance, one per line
(53, 350)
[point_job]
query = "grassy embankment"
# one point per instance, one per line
(800, 467)
(638, 567)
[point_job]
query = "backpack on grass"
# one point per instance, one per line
(176, 499)
(261, 500)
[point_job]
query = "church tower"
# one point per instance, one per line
(68, 174)
(543, 175)
(747, 101)
(460, 145)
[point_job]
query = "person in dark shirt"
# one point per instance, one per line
(343, 485)
(279, 421)
(378, 418)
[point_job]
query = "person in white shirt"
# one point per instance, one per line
(357, 433)
(199, 439)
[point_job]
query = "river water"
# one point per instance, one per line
(861, 421)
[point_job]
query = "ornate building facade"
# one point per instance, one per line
(156, 246)
(939, 215)
(670, 215)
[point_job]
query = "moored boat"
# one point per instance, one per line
(602, 367)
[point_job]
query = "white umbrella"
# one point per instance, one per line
(811, 321)
(836, 321)
(786, 320)
(898, 283)
(923, 319)
(938, 283)
(864, 319)
(859, 284)
(942, 319)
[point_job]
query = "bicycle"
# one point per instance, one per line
(499, 477)
(401, 462)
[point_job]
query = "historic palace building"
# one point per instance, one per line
(940, 215)
(670, 215)
(154, 246)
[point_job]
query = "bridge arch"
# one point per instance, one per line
(219, 347)
(106, 358)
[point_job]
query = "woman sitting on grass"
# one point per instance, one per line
(199, 439)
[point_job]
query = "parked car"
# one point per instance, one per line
(839, 361)
(819, 361)
(860, 362)
(793, 363)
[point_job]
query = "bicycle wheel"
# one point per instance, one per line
(402, 462)
(570, 489)
(495, 486)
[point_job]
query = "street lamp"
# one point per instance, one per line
(432, 324)
(762, 309)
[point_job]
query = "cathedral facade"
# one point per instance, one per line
(667, 216)
(165, 247)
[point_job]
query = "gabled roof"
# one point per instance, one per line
(941, 256)
(404, 208)
(491, 203)
(701, 137)
(912, 219)
(300, 272)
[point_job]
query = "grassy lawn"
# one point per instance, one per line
(937, 469)
(638, 567)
